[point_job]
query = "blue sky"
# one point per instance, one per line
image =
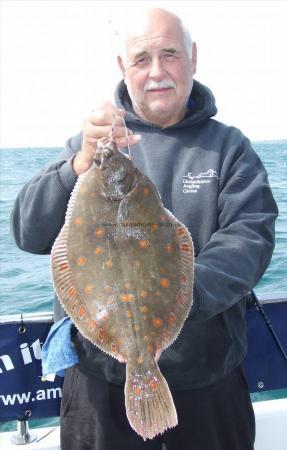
(58, 63)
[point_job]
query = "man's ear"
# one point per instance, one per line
(194, 57)
(121, 66)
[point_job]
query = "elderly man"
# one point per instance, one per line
(211, 179)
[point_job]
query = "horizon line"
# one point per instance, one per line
(28, 147)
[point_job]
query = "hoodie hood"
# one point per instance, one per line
(201, 106)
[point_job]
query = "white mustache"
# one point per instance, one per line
(163, 84)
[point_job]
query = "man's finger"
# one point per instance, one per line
(98, 132)
(131, 140)
(105, 114)
(101, 117)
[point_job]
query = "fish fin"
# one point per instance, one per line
(184, 292)
(66, 286)
(68, 294)
(149, 403)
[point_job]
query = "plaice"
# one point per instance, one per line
(123, 269)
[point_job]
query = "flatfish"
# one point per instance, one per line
(123, 267)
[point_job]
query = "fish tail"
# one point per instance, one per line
(149, 404)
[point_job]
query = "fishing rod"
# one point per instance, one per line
(261, 310)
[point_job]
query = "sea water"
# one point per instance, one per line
(25, 278)
(25, 281)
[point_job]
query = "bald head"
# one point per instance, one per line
(139, 24)
(158, 66)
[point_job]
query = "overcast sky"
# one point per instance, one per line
(58, 63)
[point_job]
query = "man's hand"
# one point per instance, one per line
(97, 125)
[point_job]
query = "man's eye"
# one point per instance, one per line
(169, 55)
(141, 61)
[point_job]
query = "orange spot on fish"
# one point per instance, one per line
(137, 390)
(143, 243)
(99, 250)
(127, 297)
(183, 278)
(137, 327)
(140, 360)
(145, 338)
(100, 232)
(92, 325)
(81, 261)
(108, 264)
(153, 384)
(120, 341)
(144, 309)
(146, 191)
(82, 311)
(154, 226)
(165, 334)
(89, 288)
(93, 194)
(78, 221)
(164, 282)
(127, 285)
(129, 313)
(63, 267)
(149, 348)
(169, 248)
(101, 335)
(157, 322)
(143, 293)
(114, 348)
(185, 247)
(171, 319)
(72, 292)
(180, 231)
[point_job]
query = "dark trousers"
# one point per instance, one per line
(216, 417)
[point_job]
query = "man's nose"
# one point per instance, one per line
(157, 69)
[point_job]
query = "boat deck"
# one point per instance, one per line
(271, 430)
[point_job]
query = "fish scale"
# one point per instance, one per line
(123, 268)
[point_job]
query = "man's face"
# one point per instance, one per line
(158, 71)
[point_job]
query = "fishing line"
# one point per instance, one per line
(111, 133)
(127, 136)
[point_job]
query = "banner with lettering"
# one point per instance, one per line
(23, 394)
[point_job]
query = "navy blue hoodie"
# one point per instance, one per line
(211, 179)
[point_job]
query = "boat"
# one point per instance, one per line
(26, 395)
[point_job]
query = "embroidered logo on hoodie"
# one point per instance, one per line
(192, 183)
